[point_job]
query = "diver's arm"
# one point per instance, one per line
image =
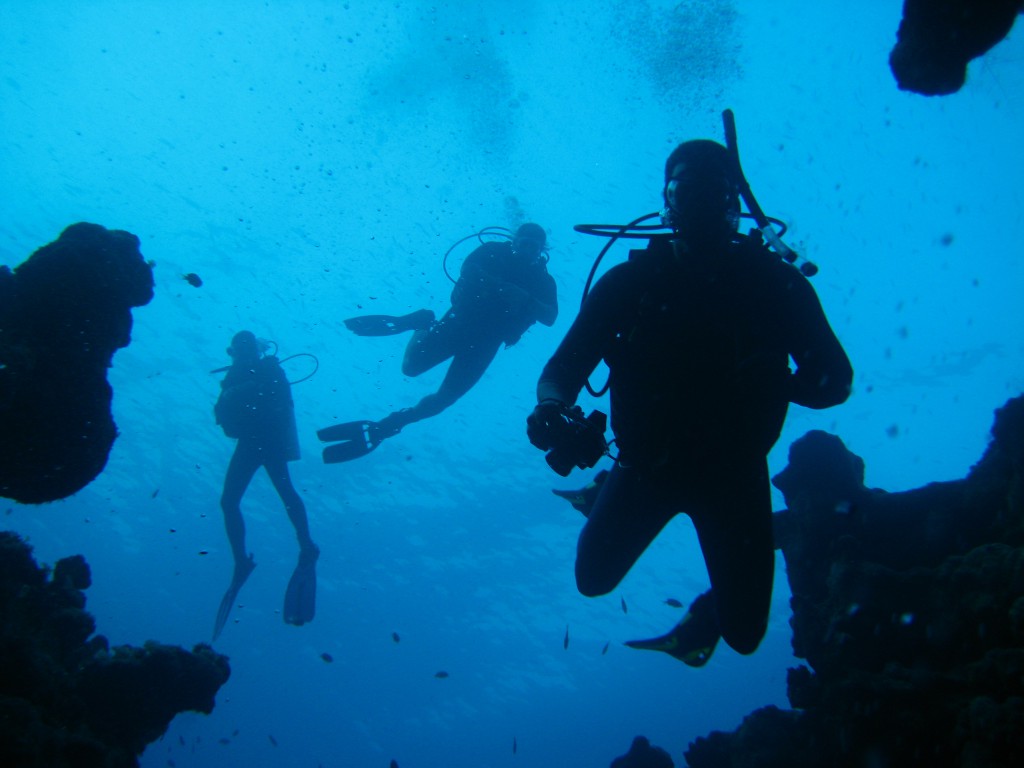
(545, 301)
(584, 345)
(475, 281)
(823, 376)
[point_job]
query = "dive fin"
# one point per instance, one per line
(357, 438)
(228, 601)
(350, 430)
(300, 597)
(584, 498)
(692, 640)
(389, 325)
(351, 440)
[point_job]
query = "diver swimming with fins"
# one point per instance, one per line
(698, 330)
(255, 407)
(503, 289)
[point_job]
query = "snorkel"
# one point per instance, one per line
(764, 224)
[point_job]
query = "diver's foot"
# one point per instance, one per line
(309, 553)
(692, 640)
(389, 426)
(243, 570)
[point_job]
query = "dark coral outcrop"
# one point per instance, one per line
(66, 698)
(64, 312)
(937, 39)
(909, 610)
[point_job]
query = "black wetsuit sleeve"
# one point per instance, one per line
(545, 299)
(587, 342)
(823, 376)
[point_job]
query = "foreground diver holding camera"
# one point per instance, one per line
(697, 331)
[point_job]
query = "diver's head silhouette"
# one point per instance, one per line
(244, 347)
(529, 241)
(702, 192)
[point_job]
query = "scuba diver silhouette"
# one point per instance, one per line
(255, 406)
(503, 288)
(697, 330)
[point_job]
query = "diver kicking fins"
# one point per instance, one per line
(389, 325)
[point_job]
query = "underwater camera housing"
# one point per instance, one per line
(580, 444)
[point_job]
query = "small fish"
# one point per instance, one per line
(223, 741)
(673, 602)
(605, 649)
(155, 493)
(193, 279)
(327, 657)
(441, 674)
(204, 551)
(624, 608)
(181, 740)
(565, 643)
(234, 733)
(395, 637)
(272, 739)
(394, 764)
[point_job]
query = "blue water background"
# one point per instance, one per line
(313, 161)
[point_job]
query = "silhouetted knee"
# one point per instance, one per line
(413, 365)
(744, 640)
(231, 505)
(592, 583)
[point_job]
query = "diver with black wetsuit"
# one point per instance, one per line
(697, 332)
(503, 289)
(255, 406)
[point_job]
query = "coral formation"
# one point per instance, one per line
(937, 39)
(63, 314)
(909, 610)
(66, 698)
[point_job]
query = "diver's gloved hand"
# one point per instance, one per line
(547, 423)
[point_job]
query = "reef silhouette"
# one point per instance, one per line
(66, 698)
(63, 314)
(936, 40)
(643, 755)
(909, 610)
